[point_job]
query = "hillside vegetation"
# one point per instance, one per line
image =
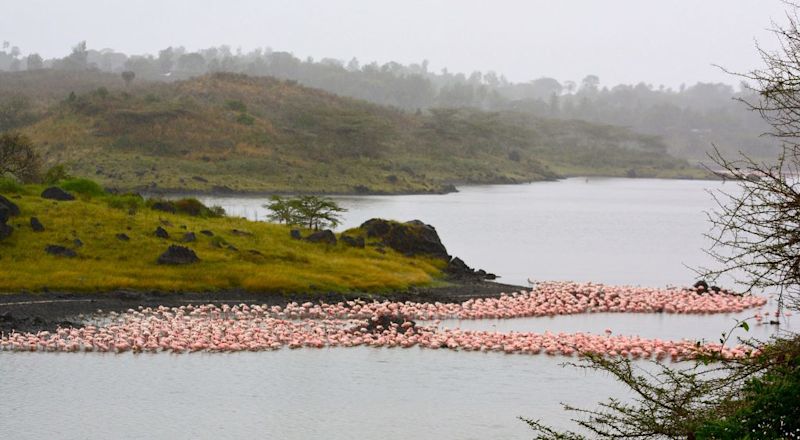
(115, 245)
(231, 132)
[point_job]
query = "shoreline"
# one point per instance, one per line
(45, 311)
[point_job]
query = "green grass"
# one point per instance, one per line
(266, 261)
(232, 132)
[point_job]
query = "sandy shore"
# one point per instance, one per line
(32, 312)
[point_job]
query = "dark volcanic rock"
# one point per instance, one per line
(189, 237)
(123, 237)
(77, 242)
(457, 269)
(295, 233)
(13, 209)
(178, 255)
(5, 213)
(60, 251)
(56, 193)
(353, 241)
(411, 238)
(241, 233)
(207, 233)
(36, 225)
(5, 231)
(327, 236)
(161, 232)
(376, 227)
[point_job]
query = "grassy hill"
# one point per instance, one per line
(229, 132)
(242, 255)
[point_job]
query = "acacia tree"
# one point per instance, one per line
(311, 212)
(18, 158)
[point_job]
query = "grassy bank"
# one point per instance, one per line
(244, 255)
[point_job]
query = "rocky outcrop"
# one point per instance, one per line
(410, 238)
(189, 237)
(417, 238)
(176, 255)
(56, 193)
(295, 234)
(123, 237)
(161, 232)
(357, 242)
(327, 236)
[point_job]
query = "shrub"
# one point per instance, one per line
(126, 202)
(8, 185)
(189, 206)
(245, 119)
(56, 174)
(83, 186)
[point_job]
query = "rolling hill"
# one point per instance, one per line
(231, 132)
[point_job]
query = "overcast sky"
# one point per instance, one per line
(621, 41)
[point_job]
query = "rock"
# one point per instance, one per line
(327, 236)
(77, 242)
(189, 237)
(161, 232)
(123, 237)
(353, 241)
(5, 213)
(13, 209)
(56, 193)
(178, 255)
(207, 233)
(241, 233)
(199, 179)
(36, 225)
(60, 251)
(411, 238)
(295, 233)
(376, 227)
(5, 231)
(164, 207)
(385, 322)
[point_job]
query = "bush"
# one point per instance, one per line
(83, 186)
(8, 185)
(56, 174)
(126, 202)
(189, 206)
(245, 119)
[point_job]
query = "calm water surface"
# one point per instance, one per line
(618, 231)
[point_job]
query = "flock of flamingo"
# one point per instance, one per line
(243, 327)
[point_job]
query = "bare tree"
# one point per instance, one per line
(18, 158)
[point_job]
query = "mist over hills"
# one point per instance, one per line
(233, 132)
(689, 119)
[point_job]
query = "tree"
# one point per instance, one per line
(312, 212)
(128, 77)
(18, 158)
(34, 62)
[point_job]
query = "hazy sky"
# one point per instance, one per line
(621, 41)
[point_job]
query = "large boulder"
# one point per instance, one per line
(327, 236)
(56, 193)
(12, 209)
(178, 255)
(357, 242)
(410, 238)
(4, 214)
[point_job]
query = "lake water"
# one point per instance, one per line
(617, 231)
